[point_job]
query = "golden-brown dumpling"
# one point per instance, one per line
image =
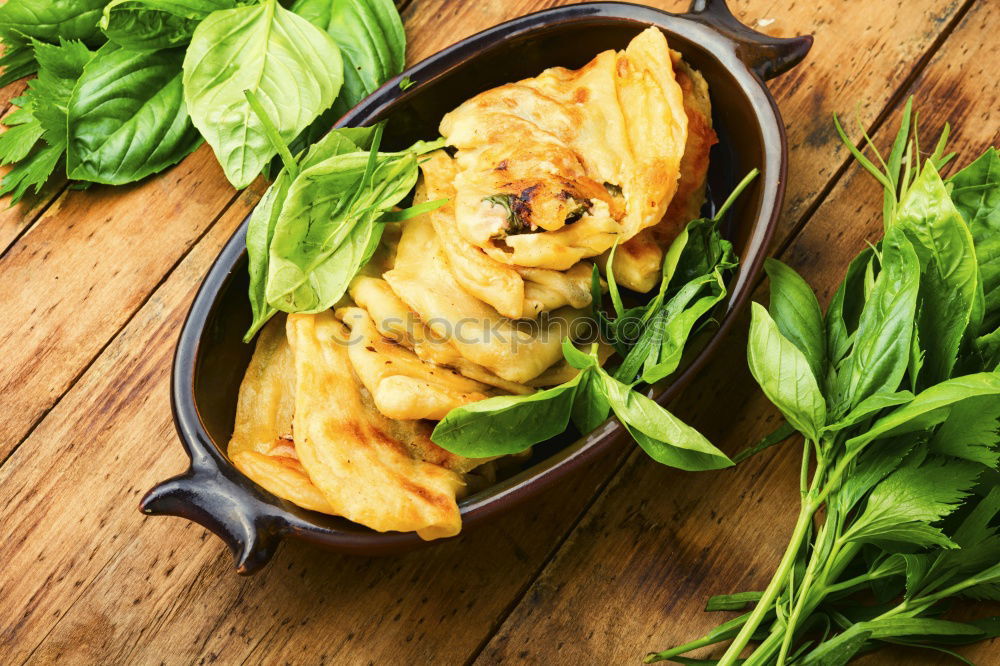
(637, 263)
(516, 351)
(379, 472)
(555, 168)
(401, 385)
(262, 445)
(394, 320)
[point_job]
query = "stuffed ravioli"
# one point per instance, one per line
(472, 298)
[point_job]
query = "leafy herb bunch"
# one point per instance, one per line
(897, 396)
(127, 88)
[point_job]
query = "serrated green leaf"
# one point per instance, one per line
(930, 407)
(17, 141)
(902, 507)
(31, 172)
(971, 431)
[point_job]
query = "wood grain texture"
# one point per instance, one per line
(658, 543)
(83, 269)
(87, 579)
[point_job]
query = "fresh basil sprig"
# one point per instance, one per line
(321, 220)
(897, 397)
(510, 424)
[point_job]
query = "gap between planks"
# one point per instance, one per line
(893, 103)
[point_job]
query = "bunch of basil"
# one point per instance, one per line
(896, 393)
(127, 88)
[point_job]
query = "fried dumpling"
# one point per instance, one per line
(262, 445)
(401, 385)
(637, 263)
(555, 168)
(516, 351)
(515, 292)
(376, 471)
(395, 321)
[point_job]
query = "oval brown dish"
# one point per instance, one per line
(211, 358)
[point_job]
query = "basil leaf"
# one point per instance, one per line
(578, 359)
(881, 350)
(870, 405)
(681, 316)
(975, 191)
(260, 228)
(327, 221)
(508, 423)
(127, 117)
(844, 312)
(949, 273)
(590, 406)
(371, 40)
(796, 312)
(292, 67)
(662, 435)
(929, 407)
(150, 25)
(52, 20)
(783, 373)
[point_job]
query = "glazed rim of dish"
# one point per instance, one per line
(250, 520)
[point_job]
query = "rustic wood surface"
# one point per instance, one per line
(618, 561)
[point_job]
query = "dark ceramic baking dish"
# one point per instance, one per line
(211, 358)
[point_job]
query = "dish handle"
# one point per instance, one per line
(206, 496)
(767, 56)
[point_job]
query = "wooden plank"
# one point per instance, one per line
(83, 269)
(84, 468)
(636, 573)
(858, 61)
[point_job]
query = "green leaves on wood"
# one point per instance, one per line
(509, 424)
(127, 117)
(292, 64)
(897, 393)
(38, 142)
(292, 67)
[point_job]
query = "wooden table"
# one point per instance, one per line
(95, 284)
